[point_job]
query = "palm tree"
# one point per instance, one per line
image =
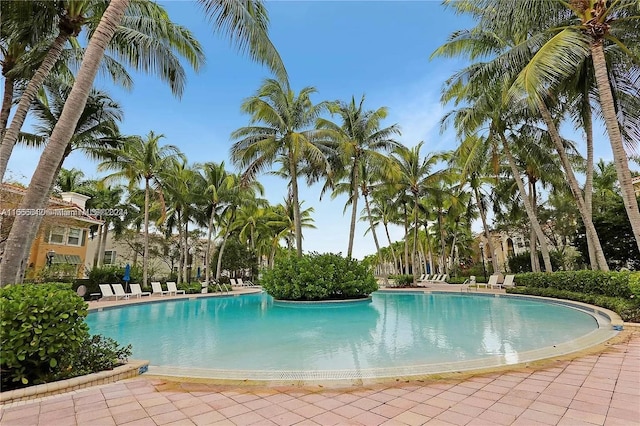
(142, 160)
(283, 135)
(359, 141)
(218, 184)
(70, 180)
(415, 180)
(145, 38)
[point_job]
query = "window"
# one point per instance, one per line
(109, 257)
(74, 237)
(56, 235)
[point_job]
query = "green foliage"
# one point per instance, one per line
(634, 284)
(237, 257)
(628, 309)
(616, 236)
(521, 263)
(613, 284)
(318, 277)
(41, 324)
(402, 280)
(110, 274)
(97, 353)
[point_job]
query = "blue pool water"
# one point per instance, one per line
(253, 332)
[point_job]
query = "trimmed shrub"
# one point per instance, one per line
(97, 353)
(402, 280)
(41, 324)
(613, 284)
(318, 277)
(628, 309)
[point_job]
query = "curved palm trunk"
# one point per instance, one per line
(221, 252)
(36, 197)
(533, 251)
(575, 187)
(296, 204)
(11, 135)
(485, 227)
(443, 267)
(619, 155)
(7, 99)
(393, 252)
(527, 205)
(103, 243)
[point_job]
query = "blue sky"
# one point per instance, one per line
(343, 49)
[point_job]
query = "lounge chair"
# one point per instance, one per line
(508, 281)
(422, 278)
(493, 281)
(156, 288)
(247, 283)
(233, 282)
(119, 291)
(106, 291)
(137, 291)
(172, 288)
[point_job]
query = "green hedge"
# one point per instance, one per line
(402, 280)
(628, 309)
(43, 336)
(614, 284)
(318, 277)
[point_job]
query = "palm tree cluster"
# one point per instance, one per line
(39, 44)
(533, 66)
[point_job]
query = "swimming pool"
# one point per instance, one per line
(251, 336)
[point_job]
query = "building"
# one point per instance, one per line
(60, 246)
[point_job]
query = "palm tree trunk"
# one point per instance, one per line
(37, 195)
(575, 187)
(443, 267)
(393, 252)
(527, 205)
(588, 186)
(296, 204)
(619, 155)
(533, 251)
(185, 269)
(406, 240)
(7, 100)
(145, 256)
(485, 227)
(415, 238)
(96, 255)
(103, 243)
(221, 252)
(208, 252)
(373, 232)
(11, 136)
(354, 208)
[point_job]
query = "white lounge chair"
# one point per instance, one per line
(508, 281)
(172, 288)
(493, 281)
(106, 291)
(156, 288)
(233, 282)
(246, 283)
(119, 291)
(137, 291)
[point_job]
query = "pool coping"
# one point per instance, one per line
(131, 369)
(609, 324)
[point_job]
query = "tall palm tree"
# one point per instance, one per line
(360, 141)
(145, 39)
(142, 160)
(281, 131)
(70, 180)
(218, 184)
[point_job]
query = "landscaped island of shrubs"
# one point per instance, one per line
(315, 277)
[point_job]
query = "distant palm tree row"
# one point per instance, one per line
(532, 67)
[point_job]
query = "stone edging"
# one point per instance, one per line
(132, 368)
